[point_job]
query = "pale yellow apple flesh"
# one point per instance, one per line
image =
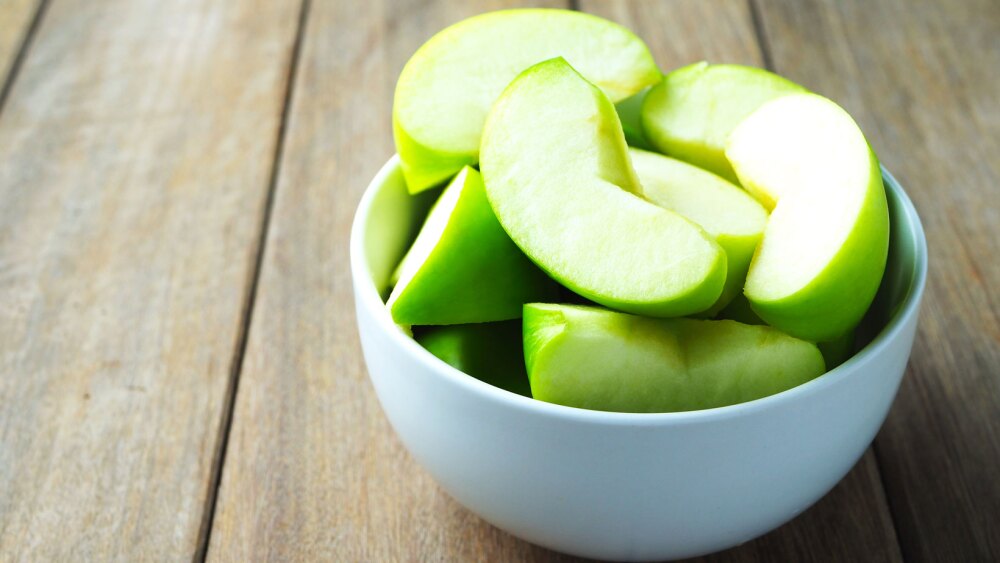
(446, 89)
(720, 207)
(824, 249)
(558, 176)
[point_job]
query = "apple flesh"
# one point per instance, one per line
(824, 249)
(690, 114)
(558, 176)
(462, 267)
(720, 207)
(593, 358)
(446, 89)
(490, 352)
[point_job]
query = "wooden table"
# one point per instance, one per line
(180, 375)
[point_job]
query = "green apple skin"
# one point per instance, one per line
(630, 113)
(690, 114)
(558, 176)
(723, 209)
(446, 89)
(838, 350)
(835, 352)
(824, 250)
(462, 267)
(739, 310)
(598, 359)
(490, 352)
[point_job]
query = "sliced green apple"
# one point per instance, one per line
(724, 210)
(824, 249)
(835, 352)
(598, 359)
(690, 114)
(558, 176)
(630, 113)
(446, 89)
(838, 350)
(490, 352)
(462, 267)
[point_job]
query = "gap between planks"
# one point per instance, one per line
(22, 51)
(246, 316)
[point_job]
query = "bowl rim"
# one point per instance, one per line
(367, 296)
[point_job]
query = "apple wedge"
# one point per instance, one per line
(462, 267)
(598, 359)
(446, 89)
(490, 352)
(690, 114)
(558, 176)
(824, 249)
(835, 352)
(724, 210)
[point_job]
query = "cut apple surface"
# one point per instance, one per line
(725, 211)
(462, 267)
(490, 352)
(690, 114)
(446, 89)
(824, 248)
(558, 176)
(593, 358)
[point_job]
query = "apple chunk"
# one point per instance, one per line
(558, 176)
(597, 359)
(446, 89)
(724, 210)
(462, 267)
(825, 245)
(490, 352)
(690, 114)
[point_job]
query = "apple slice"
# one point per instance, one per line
(835, 352)
(558, 175)
(446, 89)
(597, 359)
(630, 114)
(490, 352)
(690, 114)
(462, 267)
(724, 210)
(825, 245)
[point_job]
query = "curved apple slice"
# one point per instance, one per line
(825, 245)
(597, 359)
(724, 210)
(462, 267)
(558, 175)
(690, 114)
(446, 89)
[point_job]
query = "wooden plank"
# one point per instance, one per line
(921, 78)
(15, 21)
(853, 521)
(135, 151)
(313, 470)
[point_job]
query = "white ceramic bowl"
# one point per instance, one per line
(628, 486)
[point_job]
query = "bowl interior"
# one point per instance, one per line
(389, 218)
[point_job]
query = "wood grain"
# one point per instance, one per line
(15, 21)
(313, 470)
(135, 149)
(922, 79)
(853, 522)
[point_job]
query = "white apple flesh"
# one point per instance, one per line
(558, 176)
